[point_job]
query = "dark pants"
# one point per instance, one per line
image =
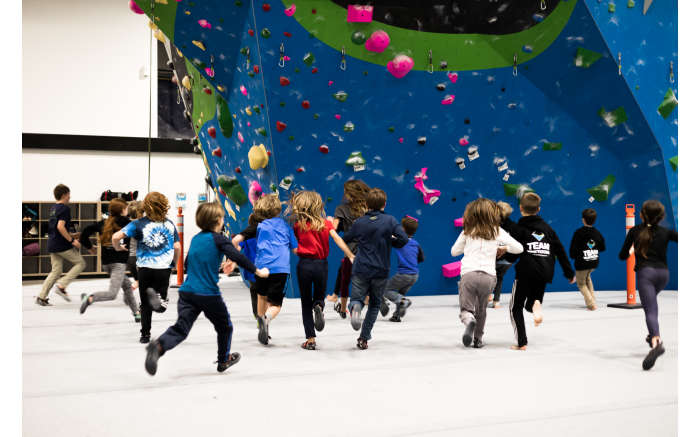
(157, 279)
(312, 275)
(342, 280)
(501, 270)
(254, 299)
(131, 267)
(650, 281)
(525, 292)
(360, 289)
(189, 305)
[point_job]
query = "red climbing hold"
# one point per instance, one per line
(301, 170)
(313, 11)
(207, 90)
(217, 152)
(256, 69)
(314, 70)
(238, 169)
(284, 81)
(305, 104)
(280, 126)
(287, 34)
(269, 153)
(266, 7)
(222, 192)
(262, 106)
(212, 131)
(250, 32)
(323, 149)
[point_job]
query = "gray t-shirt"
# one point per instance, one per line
(346, 218)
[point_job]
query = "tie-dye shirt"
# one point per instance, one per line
(155, 242)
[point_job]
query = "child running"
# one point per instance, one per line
(135, 212)
(200, 292)
(375, 233)
(275, 239)
(586, 245)
(353, 207)
(158, 248)
(506, 261)
(479, 242)
(650, 242)
(312, 231)
(407, 273)
(535, 268)
(113, 262)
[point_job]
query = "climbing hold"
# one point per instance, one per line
(441, 87)
(286, 182)
(199, 44)
(261, 131)
(238, 170)
(255, 192)
(284, 81)
(527, 49)
(280, 126)
(240, 137)
(258, 157)
(349, 126)
(447, 100)
(209, 71)
(429, 196)
(314, 70)
(135, 8)
(358, 37)
(585, 58)
(308, 59)
(251, 32)
(517, 190)
(266, 7)
(223, 116)
(313, 11)
(204, 23)
(613, 118)
(288, 35)
(230, 210)
(305, 104)
(630, 4)
(400, 66)
(378, 41)
(422, 140)
(538, 17)
(463, 141)
(601, 191)
(256, 69)
(401, 140)
(359, 14)
(290, 10)
(443, 65)
(316, 116)
(211, 130)
(291, 138)
(356, 161)
(611, 7)
(472, 153)
(217, 152)
(668, 104)
(391, 129)
(330, 82)
(340, 96)
(206, 90)
(301, 169)
(674, 162)
(248, 111)
(451, 270)
(244, 91)
(551, 146)
(186, 83)
(232, 189)
(159, 35)
(265, 33)
(460, 163)
(467, 121)
(323, 149)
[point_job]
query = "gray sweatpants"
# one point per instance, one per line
(117, 280)
(474, 291)
(397, 287)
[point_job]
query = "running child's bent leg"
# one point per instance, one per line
(116, 277)
(376, 291)
(188, 310)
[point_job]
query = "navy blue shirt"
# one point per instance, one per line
(375, 233)
(409, 256)
(57, 243)
(207, 250)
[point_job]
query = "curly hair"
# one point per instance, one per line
(268, 206)
(356, 194)
(156, 206)
(116, 208)
(307, 207)
(482, 217)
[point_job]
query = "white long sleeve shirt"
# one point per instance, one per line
(480, 254)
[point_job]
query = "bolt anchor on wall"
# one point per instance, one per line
(515, 64)
(281, 62)
(343, 63)
(430, 60)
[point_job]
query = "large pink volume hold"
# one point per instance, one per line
(400, 66)
(360, 14)
(134, 7)
(378, 41)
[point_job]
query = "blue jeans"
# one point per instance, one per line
(361, 287)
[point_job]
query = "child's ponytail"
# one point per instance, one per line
(652, 213)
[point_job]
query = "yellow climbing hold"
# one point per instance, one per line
(257, 157)
(162, 2)
(199, 120)
(220, 88)
(159, 35)
(230, 210)
(201, 114)
(157, 18)
(179, 53)
(187, 12)
(199, 44)
(186, 83)
(248, 111)
(234, 116)
(152, 25)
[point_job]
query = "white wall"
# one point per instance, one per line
(88, 174)
(80, 68)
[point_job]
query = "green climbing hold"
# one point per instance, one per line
(355, 160)
(630, 4)
(349, 126)
(517, 190)
(391, 129)
(256, 108)
(265, 33)
(340, 96)
(244, 50)
(239, 3)
(251, 74)
(198, 63)
(358, 37)
(308, 58)
(291, 138)
(611, 7)
(296, 70)
(551, 146)
(329, 199)
(585, 58)
(316, 116)
(601, 191)
(233, 189)
(668, 104)
(282, 104)
(221, 20)
(273, 188)
(674, 163)
(636, 87)
(223, 116)
(613, 118)
(261, 131)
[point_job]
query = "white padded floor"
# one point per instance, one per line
(582, 376)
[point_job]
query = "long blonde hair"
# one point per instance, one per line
(110, 226)
(482, 217)
(307, 207)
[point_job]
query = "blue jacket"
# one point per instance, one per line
(375, 233)
(409, 256)
(275, 240)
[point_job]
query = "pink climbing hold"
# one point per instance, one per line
(290, 10)
(463, 141)
(240, 137)
(248, 124)
(459, 222)
(401, 140)
(135, 8)
(400, 66)
(255, 192)
(330, 82)
(447, 100)
(204, 23)
(378, 41)
(451, 270)
(243, 90)
(337, 116)
(429, 196)
(209, 71)
(453, 77)
(360, 14)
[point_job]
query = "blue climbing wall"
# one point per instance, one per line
(510, 119)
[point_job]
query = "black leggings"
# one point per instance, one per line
(650, 281)
(312, 275)
(157, 279)
(525, 292)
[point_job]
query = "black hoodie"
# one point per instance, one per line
(586, 245)
(541, 245)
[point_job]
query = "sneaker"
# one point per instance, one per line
(338, 309)
(654, 353)
(403, 306)
(649, 340)
(84, 302)
(319, 320)
(355, 317)
(478, 344)
(362, 343)
(232, 359)
(158, 304)
(43, 302)
(395, 318)
(263, 327)
(62, 293)
(469, 333)
(384, 308)
(137, 317)
(309, 345)
(152, 356)
(145, 339)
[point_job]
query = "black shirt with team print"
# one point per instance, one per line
(585, 248)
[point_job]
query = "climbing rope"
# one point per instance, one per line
(150, 93)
